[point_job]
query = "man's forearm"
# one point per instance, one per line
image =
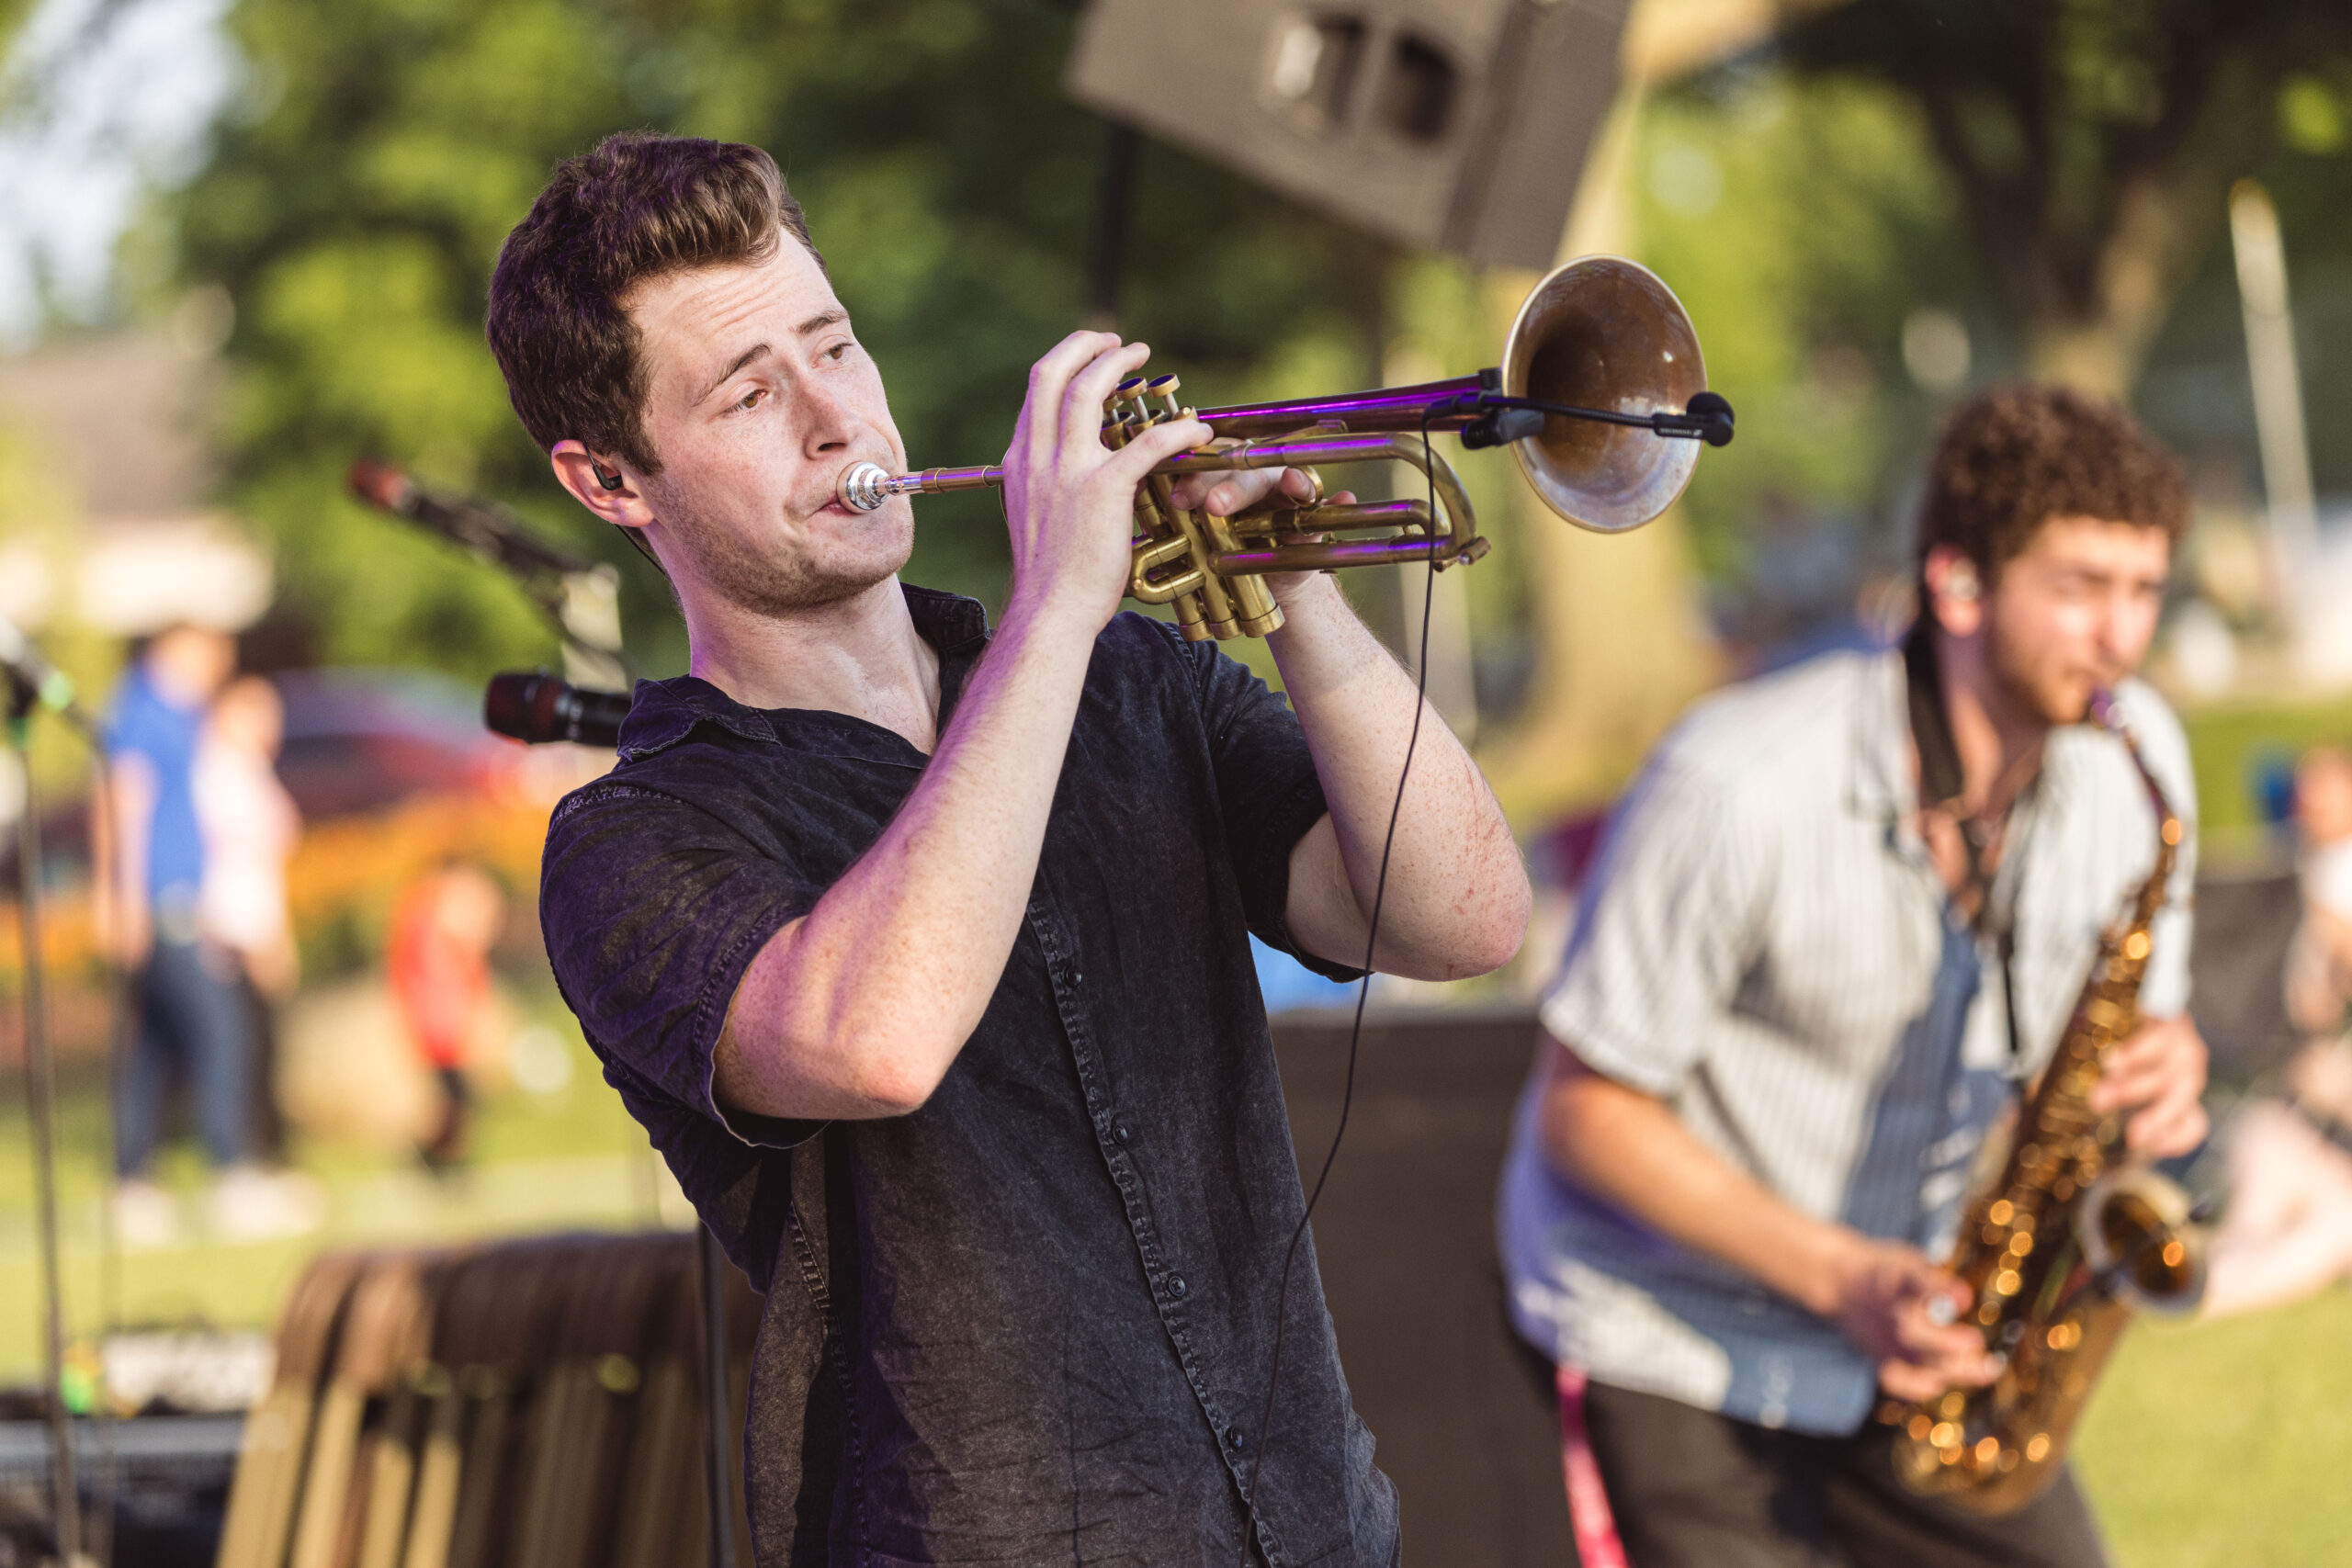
(858, 1008)
(1457, 895)
(1628, 1148)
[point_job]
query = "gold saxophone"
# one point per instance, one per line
(2058, 1251)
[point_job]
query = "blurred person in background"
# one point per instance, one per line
(2288, 1231)
(935, 934)
(443, 929)
(1835, 928)
(186, 1018)
(251, 827)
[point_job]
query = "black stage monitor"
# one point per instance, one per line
(1459, 125)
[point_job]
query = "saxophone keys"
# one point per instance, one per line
(2037, 1448)
(2135, 946)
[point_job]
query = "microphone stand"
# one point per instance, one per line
(41, 1097)
(579, 598)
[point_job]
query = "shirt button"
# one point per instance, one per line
(1122, 1132)
(1176, 1286)
(1236, 1439)
(1078, 978)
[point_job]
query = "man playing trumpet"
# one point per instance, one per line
(919, 946)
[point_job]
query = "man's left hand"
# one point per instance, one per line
(2157, 1075)
(1227, 491)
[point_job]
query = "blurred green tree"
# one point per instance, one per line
(1804, 222)
(381, 148)
(2090, 142)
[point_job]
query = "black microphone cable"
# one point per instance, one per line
(1363, 994)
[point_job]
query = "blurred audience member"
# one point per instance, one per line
(2289, 1229)
(185, 1016)
(250, 827)
(442, 932)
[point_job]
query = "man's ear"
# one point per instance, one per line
(1955, 590)
(606, 489)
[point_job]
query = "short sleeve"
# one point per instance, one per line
(137, 728)
(1267, 788)
(1668, 926)
(652, 909)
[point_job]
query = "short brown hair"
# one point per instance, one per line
(2015, 457)
(643, 204)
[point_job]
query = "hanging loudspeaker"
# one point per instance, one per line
(1459, 125)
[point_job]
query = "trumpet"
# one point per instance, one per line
(1601, 397)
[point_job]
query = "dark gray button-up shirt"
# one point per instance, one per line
(1033, 1322)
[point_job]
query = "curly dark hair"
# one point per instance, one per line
(2015, 457)
(643, 205)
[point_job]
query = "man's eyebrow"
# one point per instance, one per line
(820, 322)
(741, 360)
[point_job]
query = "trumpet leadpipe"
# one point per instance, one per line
(864, 487)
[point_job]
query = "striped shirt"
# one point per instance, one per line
(1765, 946)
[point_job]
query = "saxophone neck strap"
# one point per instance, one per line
(1943, 787)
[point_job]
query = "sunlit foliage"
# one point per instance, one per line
(382, 148)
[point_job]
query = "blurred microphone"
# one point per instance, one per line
(488, 530)
(535, 707)
(49, 686)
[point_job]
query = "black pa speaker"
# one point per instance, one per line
(1459, 125)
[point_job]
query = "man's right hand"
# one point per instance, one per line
(1069, 500)
(1881, 1294)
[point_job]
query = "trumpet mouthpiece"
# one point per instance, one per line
(861, 487)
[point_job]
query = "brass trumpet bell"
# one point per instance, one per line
(1602, 332)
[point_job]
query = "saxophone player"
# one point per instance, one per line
(1837, 924)
(920, 947)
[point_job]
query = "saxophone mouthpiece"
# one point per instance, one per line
(2102, 709)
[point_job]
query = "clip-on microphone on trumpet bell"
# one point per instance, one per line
(1708, 418)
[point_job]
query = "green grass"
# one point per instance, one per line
(2227, 1445)
(2227, 740)
(574, 1160)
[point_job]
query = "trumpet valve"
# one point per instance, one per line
(1165, 389)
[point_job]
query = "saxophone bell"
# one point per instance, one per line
(2140, 1238)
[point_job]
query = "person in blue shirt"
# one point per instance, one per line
(186, 1017)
